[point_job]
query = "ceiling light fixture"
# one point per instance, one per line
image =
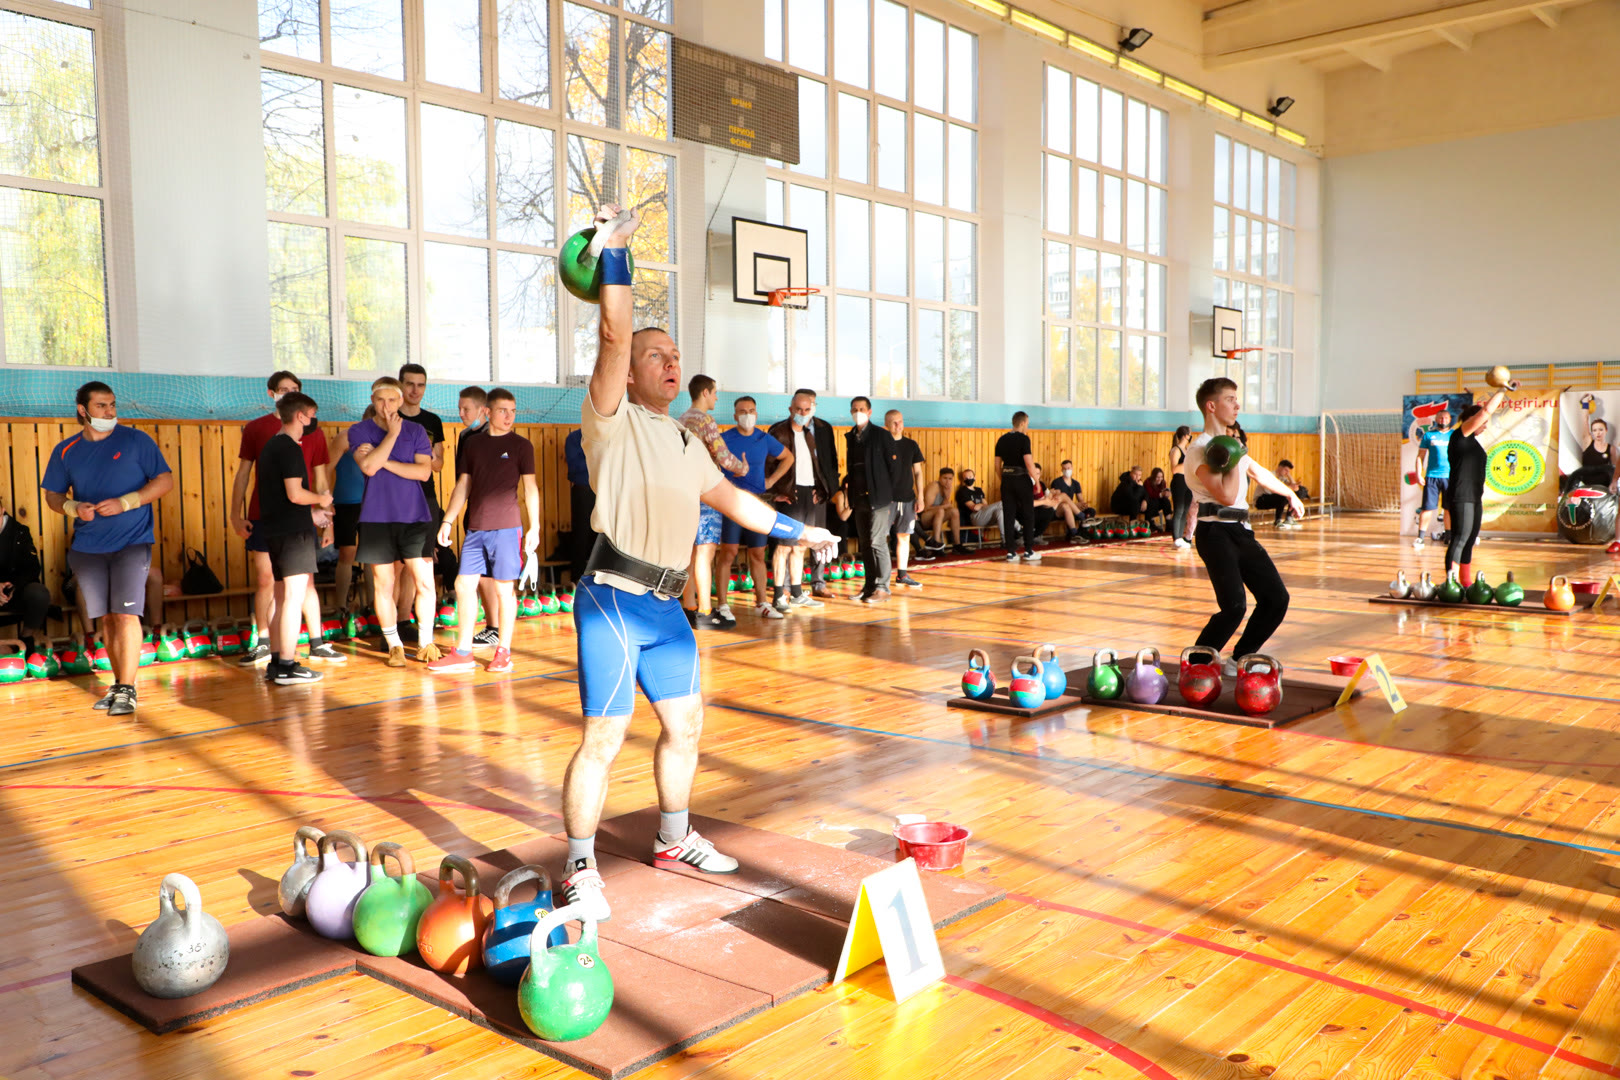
(1134, 40)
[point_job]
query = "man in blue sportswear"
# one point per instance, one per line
(756, 448)
(1434, 473)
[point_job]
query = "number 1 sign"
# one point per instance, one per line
(891, 921)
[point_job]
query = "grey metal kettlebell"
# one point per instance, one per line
(1424, 588)
(182, 952)
(295, 881)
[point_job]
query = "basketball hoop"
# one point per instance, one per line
(778, 297)
(1232, 354)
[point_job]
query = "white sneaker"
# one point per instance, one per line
(1229, 669)
(782, 603)
(1417, 543)
(804, 600)
(766, 611)
(724, 611)
(584, 888)
(693, 851)
(1181, 544)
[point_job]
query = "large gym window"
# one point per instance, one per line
(1105, 268)
(887, 185)
(1255, 197)
(53, 190)
(425, 161)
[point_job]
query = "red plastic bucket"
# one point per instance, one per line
(1344, 665)
(936, 845)
(1585, 586)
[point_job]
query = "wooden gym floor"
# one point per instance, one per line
(1361, 895)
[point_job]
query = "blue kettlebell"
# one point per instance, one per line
(1027, 690)
(1057, 683)
(506, 938)
(978, 682)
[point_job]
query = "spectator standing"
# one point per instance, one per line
(291, 515)
(758, 449)
(1016, 462)
(1181, 500)
(413, 384)
(906, 484)
(705, 394)
(869, 455)
(472, 404)
(803, 493)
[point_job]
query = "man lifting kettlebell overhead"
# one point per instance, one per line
(649, 474)
(1219, 472)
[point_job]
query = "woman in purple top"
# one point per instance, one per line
(396, 455)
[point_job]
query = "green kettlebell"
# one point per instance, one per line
(579, 264)
(1510, 593)
(549, 602)
(386, 914)
(1223, 452)
(170, 645)
(1481, 592)
(567, 991)
(1451, 592)
(1105, 682)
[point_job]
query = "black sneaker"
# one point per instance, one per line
(908, 581)
(691, 617)
(488, 637)
(123, 701)
(296, 673)
(325, 651)
(1012, 556)
(961, 549)
(256, 655)
(934, 545)
(106, 699)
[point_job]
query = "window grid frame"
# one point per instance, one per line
(416, 91)
(1070, 324)
(89, 18)
(1282, 385)
(833, 185)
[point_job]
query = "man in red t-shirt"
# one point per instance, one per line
(255, 434)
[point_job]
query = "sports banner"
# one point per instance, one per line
(1521, 484)
(1419, 414)
(1585, 420)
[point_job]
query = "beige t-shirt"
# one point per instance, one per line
(648, 473)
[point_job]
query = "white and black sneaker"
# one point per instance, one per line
(728, 621)
(488, 637)
(804, 600)
(1012, 556)
(325, 651)
(123, 700)
(1032, 556)
(767, 611)
(693, 851)
(106, 699)
(583, 888)
(254, 656)
(295, 674)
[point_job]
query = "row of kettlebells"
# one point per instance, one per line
(564, 991)
(1558, 597)
(1036, 678)
(1198, 679)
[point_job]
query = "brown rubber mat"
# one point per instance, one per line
(774, 948)
(999, 702)
(1303, 696)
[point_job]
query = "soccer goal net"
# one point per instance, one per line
(1361, 460)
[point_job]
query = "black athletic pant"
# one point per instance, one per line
(581, 502)
(1465, 522)
(1272, 501)
(31, 605)
(1235, 561)
(1181, 501)
(1018, 502)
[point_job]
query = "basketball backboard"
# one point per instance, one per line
(1228, 330)
(766, 258)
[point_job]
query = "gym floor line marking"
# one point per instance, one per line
(435, 804)
(41, 980)
(1339, 981)
(1175, 778)
(1064, 1024)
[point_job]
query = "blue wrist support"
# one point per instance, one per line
(615, 266)
(785, 528)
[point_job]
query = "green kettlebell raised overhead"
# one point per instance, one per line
(1451, 591)
(386, 914)
(567, 992)
(1481, 592)
(579, 264)
(1223, 452)
(1510, 593)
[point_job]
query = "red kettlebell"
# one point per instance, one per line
(1259, 684)
(1200, 678)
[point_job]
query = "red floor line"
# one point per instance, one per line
(1334, 980)
(401, 799)
(39, 981)
(1063, 1024)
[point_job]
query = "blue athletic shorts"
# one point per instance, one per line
(256, 540)
(624, 640)
(1434, 492)
(708, 525)
(493, 553)
(733, 533)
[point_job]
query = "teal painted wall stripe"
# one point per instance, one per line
(221, 397)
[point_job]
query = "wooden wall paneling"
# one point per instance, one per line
(31, 446)
(169, 511)
(6, 499)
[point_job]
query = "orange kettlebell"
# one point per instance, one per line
(450, 935)
(1559, 596)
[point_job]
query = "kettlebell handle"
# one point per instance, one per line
(453, 865)
(332, 839)
(1104, 656)
(304, 835)
(1200, 650)
(555, 918)
(402, 858)
(1148, 657)
(1553, 584)
(978, 658)
(1046, 653)
(599, 239)
(1254, 660)
(188, 891)
(1034, 665)
(519, 876)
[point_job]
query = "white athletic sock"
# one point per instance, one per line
(672, 828)
(424, 634)
(581, 849)
(391, 635)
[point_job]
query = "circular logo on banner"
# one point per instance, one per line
(1514, 467)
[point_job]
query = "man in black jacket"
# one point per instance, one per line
(23, 599)
(1130, 497)
(804, 493)
(869, 453)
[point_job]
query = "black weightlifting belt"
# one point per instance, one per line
(1208, 511)
(660, 579)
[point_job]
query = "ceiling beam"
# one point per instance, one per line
(1549, 14)
(1370, 33)
(1457, 36)
(1372, 56)
(1242, 11)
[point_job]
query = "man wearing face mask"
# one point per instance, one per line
(114, 474)
(291, 515)
(869, 453)
(256, 434)
(803, 494)
(973, 508)
(758, 449)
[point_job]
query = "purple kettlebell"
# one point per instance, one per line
(1147, 684)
